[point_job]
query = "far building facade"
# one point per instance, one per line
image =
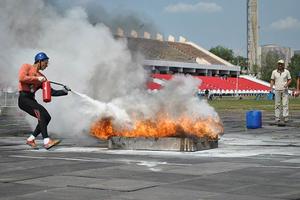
(285, 53)
(297, 52)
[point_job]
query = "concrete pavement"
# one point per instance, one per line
(249, 164)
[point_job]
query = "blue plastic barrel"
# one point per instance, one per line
(253, 119)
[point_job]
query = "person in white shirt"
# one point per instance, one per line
(297, 93)
(280, 80)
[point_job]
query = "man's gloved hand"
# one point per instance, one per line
(67, 88)
(41, 78)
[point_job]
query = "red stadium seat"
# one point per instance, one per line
(216, 83)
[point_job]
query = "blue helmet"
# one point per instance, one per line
(40, 57)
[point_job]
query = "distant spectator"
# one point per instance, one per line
(298, 82)
(270, 96)
(210, 97)
(281, 79)
(297, 92)
(206, 93)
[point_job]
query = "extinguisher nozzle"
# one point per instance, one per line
(67, 88)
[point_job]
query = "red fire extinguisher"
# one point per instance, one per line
(46, 91)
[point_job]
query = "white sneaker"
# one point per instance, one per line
(51, 143)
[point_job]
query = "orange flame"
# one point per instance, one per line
(162, 126)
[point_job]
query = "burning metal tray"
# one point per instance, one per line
(162, 144)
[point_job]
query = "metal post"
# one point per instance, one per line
(5, 98)
(237, 83)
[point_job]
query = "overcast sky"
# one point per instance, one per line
(215, 22)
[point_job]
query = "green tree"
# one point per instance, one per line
(222, 52)
(240, 61)
(255, 70)
(268, 64)
(294, 67)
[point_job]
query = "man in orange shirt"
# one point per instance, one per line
(30, 80)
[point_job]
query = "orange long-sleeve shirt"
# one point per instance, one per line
(28, 78)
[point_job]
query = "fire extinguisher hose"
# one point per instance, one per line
(66, 87)
(57, 83)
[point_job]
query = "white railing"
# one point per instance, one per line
(8, 99)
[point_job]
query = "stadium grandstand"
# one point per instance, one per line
(166, 58)
(242, 85)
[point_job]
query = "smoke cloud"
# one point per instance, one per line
(118, 18)
(86, 57)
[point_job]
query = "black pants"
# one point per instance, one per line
(28, 103)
